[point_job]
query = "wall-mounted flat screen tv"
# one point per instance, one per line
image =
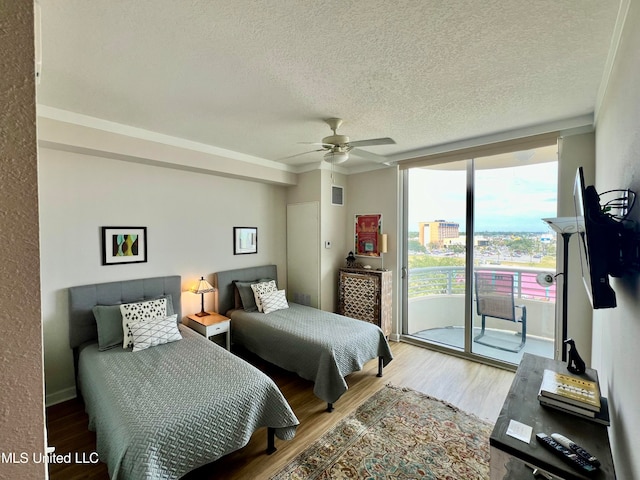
(607, 246)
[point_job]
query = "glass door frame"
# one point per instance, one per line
(469, 267)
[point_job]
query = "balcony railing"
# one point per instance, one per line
(426, 281)
(437, 299)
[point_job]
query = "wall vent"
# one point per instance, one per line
(337, 195)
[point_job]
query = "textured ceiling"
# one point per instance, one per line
(258, 77)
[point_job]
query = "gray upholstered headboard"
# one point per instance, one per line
(223, 281)
(82, 323)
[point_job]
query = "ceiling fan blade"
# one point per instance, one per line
(372, 157)
(303, 153)
(327, 145)
(373, 141)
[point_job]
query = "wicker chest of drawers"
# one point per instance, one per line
(366, 295)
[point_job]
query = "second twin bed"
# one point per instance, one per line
(320, 346)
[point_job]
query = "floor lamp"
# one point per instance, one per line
(565, 226)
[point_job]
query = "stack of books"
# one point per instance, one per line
(573, 395)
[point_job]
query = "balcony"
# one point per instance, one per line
(437, 302)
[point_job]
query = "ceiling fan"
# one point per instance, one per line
(337, 147)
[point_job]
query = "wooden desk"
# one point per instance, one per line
(508, 455)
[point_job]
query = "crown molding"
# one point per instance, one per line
(568, 126)
(67, 116)
(616, 38)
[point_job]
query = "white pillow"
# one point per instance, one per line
(157, 331)
(140, 312)
(262, 288)
(273, 301)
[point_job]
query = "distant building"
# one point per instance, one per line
(437, 232)
(545, 238)
(481, 242)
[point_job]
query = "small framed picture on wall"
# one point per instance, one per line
(124, 245)
(245, 240)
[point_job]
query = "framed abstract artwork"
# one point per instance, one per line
(124, 245)
(245, 240)
(368, 229)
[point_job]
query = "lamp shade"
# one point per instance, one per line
(203, 287)
(200, 289)
(565, 224)
(383, 243)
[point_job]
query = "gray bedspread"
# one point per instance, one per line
(320, 346)
(164, 411)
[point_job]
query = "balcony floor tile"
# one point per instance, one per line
(454, 336)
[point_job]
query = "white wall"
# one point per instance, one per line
(315, 186)
(303, 253)
(377, 192)
(370, 192)
(189, 218)
(332, 228)
(616, 332)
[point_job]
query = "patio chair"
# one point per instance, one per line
(495, 298)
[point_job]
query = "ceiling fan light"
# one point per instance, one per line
(336, 157)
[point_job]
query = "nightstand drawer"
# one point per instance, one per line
(211, 325)
(218, 328)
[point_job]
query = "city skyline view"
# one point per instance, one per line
(510, 199)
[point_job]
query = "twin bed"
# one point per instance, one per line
(319, 346)
(168, 409)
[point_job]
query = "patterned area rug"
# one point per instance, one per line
(398, 434)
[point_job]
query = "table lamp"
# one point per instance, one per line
(201, 288)
(383, 250)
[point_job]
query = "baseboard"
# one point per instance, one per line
(60, 396)
(394, 337)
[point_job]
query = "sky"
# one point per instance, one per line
(511, 199)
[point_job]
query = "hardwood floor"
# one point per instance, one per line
(473, 387)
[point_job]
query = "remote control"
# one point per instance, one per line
(571, 445)
(567, 455)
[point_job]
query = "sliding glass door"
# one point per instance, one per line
(481, 219)
(437, 213)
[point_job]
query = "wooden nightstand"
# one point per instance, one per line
(212, 324)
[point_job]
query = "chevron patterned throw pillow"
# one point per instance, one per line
(157, 331)
(273, 301)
